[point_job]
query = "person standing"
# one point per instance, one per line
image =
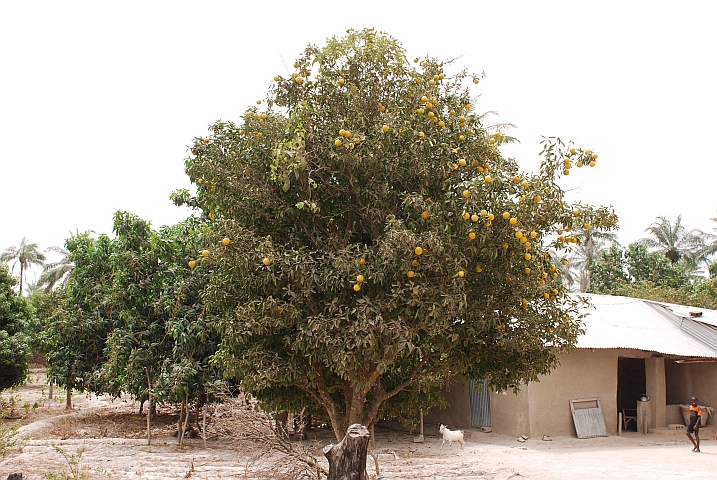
(694, 424)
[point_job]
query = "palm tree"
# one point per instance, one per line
(26, 254)
(56, 272)
(592, 243)
(674, 241)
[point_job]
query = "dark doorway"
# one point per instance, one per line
(630, 387)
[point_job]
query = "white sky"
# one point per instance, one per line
(98, 100)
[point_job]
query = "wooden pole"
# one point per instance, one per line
(619, 424)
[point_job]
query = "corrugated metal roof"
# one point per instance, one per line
(622, 322)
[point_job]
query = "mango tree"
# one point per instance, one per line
(379, 241)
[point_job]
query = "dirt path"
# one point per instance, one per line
(110, 432)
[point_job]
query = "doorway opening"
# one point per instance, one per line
(631, 385)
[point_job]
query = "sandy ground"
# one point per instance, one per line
(112, 436)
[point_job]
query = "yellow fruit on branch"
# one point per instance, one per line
(461, 273)
(359, 278)
(384, 128)
(462, 163)
(479, 268)
(357, 287)
(474, 218)
(466, 216)
(513, 221)
(192, 264)
(226, 241)
(418, 251)
(488, 179)
(472, 235)
(266, 261)
(205, 253)
(411, 274)
(425, 215)
(362, 261)
(527, 256)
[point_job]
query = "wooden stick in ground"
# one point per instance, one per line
(149, 408)
(348, 458)
(204, 425)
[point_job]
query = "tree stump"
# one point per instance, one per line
(347, 460)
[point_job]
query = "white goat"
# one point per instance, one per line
(451, 436)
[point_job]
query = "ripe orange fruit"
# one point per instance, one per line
(359, 278)
(420, 111)
(362, 261)
(466, 194)
(504, 245)
(586, 226)
(466, 216)
(425, 215)
(192, 264)
(411, 274)
(258, 102)
(524, 184)
(472, 236)
(424, 100)
(357, 287)
(266, 261)
(506, 215)
(206, 140)
(441, 124)
(418, 251)
(299, 80)
(513, 220)
(226, 241)
(341, 81)
(338, 143)
(576, 212)
(474, 218)
(414, 262)
(594, 156)
(527, 256)
(461, 273)
(483, 213)
(462, 138)
(592, 163)
(384, 128)
(488, 179)
(572, 150)
(516, 179)
(479, 268)
(277, 78)
(462, 162)
(527, 271)
(421, 134)
(205, 253)
(518, 234)
(579, 164)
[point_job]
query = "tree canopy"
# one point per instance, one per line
(378, 240)
(15, 313)
(25, 255)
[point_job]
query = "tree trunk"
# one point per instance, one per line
(186, 418)
(68, 398)
(347, 460)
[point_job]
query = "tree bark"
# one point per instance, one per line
(68, 398)
(347, 460)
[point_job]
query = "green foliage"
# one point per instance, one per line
(637, 273)
(131, 315)
(74, 462)
(76, 334)
(15, 313)
(359, 159)
(8, 438)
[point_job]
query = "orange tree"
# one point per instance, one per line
(378, 241)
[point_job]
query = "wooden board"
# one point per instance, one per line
(587, 417)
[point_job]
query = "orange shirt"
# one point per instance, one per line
(695, 411)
